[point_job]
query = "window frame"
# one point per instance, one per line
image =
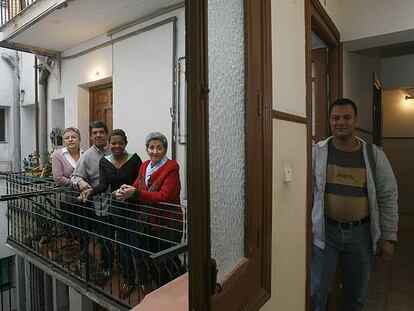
(251, 280)
(3, 120)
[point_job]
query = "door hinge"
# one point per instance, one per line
(258, 102)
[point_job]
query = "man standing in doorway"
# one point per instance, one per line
(86, 176)
(355, 212)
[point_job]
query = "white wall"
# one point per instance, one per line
(27, 119)
(398, 120)
(6, 81)
(79, 71)
(6, 100)
(358, 83)
(143, 86)
(27, 112)
(26, 74)
(398, 114)
(288, 56)
(360, 19)
(289, 218)
(57, 113)
(140, 68)
(398, 72)
(27, 78)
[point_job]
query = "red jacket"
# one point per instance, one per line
(164, 186)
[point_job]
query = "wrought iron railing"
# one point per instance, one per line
(10, 8)
(104, 243)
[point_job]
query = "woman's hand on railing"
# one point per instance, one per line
(125, 192)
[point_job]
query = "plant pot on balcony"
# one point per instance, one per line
(69, 253)
(45, 247)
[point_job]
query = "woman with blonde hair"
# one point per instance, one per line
(64, 161)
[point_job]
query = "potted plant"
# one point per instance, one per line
(56, 136)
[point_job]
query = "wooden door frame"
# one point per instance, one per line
(321, 120)
(258, 215)
(198, 192)
(377, 87)
(318, 20)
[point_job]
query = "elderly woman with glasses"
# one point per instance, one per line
(158, 227)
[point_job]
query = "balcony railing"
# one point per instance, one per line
(143, 246)
(10, 8)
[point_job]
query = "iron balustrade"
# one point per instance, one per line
(101, 243)
(11, 8)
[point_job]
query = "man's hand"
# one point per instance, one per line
(83, 185)
(86, 194)
(387, 249)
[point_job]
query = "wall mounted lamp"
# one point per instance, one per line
(409, 97)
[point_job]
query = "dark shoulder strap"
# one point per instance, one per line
(372, 162)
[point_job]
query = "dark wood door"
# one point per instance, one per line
(377, 112)
(319, 93)
(101, 105)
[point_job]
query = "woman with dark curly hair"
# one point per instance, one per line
(115, 170)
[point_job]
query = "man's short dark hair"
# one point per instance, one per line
(98, 125)
(343, 102)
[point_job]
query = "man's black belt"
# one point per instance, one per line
(347, 225)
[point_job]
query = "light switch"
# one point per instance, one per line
(287, 173)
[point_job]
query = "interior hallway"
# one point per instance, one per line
(392, 287)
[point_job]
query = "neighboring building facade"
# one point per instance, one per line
(25, 95)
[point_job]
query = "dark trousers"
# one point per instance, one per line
(125, 220)
(99, 229)
(70, 209)
(352, 250)
(106, 233)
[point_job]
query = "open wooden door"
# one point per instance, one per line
(320, 101)
(244, 285)
(377, 111)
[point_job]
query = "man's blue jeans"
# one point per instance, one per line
(352, 250)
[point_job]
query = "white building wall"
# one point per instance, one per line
(27, 79)
(288, 56)
(358, 81)
(140, 68)
(27, 101)
(360, 19)
(143, 85)
(398, 72)
(398, 119)
(6, 100)
(26, 63)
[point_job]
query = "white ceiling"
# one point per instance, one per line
(83, 20)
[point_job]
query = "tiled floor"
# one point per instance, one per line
(392, 287)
